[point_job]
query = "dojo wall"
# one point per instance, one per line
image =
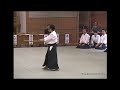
(100, 17)
(89, 17)
(66, 22)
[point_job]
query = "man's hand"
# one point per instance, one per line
(96, 45)
(41, 39)
(100, 46)
(83, 44)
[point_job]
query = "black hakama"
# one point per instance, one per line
(101, 48)
(51, 60)
(83, 46)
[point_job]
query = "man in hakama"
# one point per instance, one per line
(51, 60)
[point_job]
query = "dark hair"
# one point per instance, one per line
(104, 29)
(48, 24)
(52, 27)
(95, 31)
(84, 29)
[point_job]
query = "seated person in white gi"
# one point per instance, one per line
(103, 41)
(84, 40)
(95, 40)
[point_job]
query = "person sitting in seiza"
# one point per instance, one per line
(84, 40)
(103, 41)
(95, 27)
(95, 40)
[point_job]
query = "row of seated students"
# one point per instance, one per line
(96, 41)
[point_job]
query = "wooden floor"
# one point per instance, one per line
(74, 63)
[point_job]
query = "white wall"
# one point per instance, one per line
(22, 15)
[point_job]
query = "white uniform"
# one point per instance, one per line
(95, 39)
(85, 38)
(51, 60)
(103, 39)
(51, 38)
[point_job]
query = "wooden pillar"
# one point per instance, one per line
(16, 22)
(78, 23)
(27, 22)
(22, 21)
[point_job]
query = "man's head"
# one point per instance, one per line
(95, 32)
(95, 23)
(84, 31)
(51, 28)
(103, 31)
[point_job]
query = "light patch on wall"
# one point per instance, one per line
(37, 14)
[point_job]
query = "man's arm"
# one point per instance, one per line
(49, 37)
